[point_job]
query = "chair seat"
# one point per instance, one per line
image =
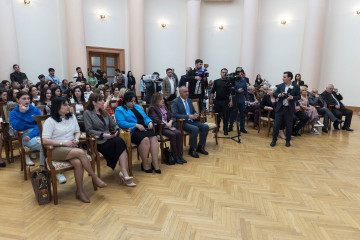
(83, 135)
(59, 165)
(133, 145)
(164, 137)
(211, 125)
(266, 119)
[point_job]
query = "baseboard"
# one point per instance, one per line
(354, 109)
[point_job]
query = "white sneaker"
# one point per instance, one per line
(315, 131)
(33, 155)
(282, 134)
(28, 161)
(61, 178)
(318, 124)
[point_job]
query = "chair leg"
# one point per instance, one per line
(130, 161)
(162, 151)
(6, 145)
(11, 151)
(98, 165)
(54, 184)
(268, 133)
(27, 172)
(216, 134)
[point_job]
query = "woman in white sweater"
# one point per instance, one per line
(62, 131)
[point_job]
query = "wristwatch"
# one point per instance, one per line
(60, 143)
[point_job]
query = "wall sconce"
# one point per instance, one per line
(221, 27)
(358, 12)
(102, 16)
(26, 2)
(163, 25)
(283, 22)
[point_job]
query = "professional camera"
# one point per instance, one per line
(152, 78)
(203, 73)
(286, 94)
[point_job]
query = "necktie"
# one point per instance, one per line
(187, 109)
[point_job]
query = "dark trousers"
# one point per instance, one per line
(142, 95)
(231, 117)
(343, 112)
(327, 114)
(194, 128)
(171, 97)
(241, 107)
(303, 118)
(221, 107)
(283, 116)
(175, 140)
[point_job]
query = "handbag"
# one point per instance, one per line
(169, 158)
(41, 182)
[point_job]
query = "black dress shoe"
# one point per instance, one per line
(296, 134)
(3, 164)
(182, 159)
(273, 143)
(193, 153)
(202, 150)
(243, 130)
(178, 160)
(230, 129)
(226, 133)
(347, 129)
(324, 130)
(287, 144)
(156, 171)
(336, 126)
(146, 170)
(338, 121)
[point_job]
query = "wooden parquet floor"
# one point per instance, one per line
(309, 191)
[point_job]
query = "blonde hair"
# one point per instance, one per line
(302, 88)
(122, 92)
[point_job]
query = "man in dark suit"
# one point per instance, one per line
(182, 108)
(287, 93)
(332, 97)
(197, 84)
(169, 86)
(242, 99)
(18, 76)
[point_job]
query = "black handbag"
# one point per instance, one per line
(41, 181)
(169, 158)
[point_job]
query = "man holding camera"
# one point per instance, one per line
(197, 82)
(242, 99)
(222, 99)
(288, 93)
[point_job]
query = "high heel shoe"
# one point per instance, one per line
(124, 179)
(82, 197)
(156, 171)
(146, 170)
(100, 185)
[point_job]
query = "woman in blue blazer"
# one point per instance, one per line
(130, 115)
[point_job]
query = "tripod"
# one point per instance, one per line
(235, 138)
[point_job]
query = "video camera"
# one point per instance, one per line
(203, 73)
(152, 78)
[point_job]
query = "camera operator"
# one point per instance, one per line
(184, 78)
(151, 88)
(242, 98)
(197, 83)
(222, 99)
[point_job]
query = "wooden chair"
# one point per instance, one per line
(9, 141)
(24, 151)
(264, 120)
(55, 167)
(125, 135)
(203, 117)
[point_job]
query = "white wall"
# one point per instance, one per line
(279, 47)
(40, 34)
(112, 32)
(341, 50)
(165, 47)
(221, 48)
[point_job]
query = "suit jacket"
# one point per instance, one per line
(166, 87)
(295, 92)
(243, 96)
(192, 84)
(314, 101)
(127, 119)
(327, 97)
(301, 83)
(155, 115)
(94, 126)
(178, 108)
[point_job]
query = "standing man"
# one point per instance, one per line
(287, 93)
(182, 108)
(242, 99)
(184, 78)
(52, 76)
(169, 86)
(222, 100)
(197, 84)
(18, 76)
(332, 97)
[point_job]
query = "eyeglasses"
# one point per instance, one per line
(133, 101)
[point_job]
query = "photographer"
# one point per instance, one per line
(197, 81)
(242, 99)
(151, 88)
(222, 99)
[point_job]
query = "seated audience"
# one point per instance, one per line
(182, 108)
(55, 92)
(80, 78)
(21, 119)
(254, 105)
(17, 76)
(11, 101)
(98, 122)
(122, 92)
(91, 79)
(6, 84)
(131, 115)
(159, 113)
(316, 100)
(116, 92)
(33, 91)
(310, 111)
(3, 95)
(87, 92)
(45, 99)
(303, 119)
(298, 80)
(78, 98)
(258, 80)
(62, 131)
(64, 86)
(52, 76)
(332, 97)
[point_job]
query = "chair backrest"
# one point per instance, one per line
(40, 123)
(146, 108)
(168, 103)
(73, 108)
(35, 102)
(41, 108)
(3, 111)
(85, 104)
(196, 104)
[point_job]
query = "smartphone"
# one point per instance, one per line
(113, 132)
